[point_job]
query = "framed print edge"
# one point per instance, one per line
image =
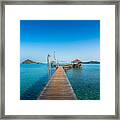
(2, 60)
(117, 56)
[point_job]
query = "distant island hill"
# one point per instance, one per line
(91, 62)
(28, 61)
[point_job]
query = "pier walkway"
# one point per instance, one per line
(58, 87)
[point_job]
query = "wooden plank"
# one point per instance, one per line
(58, 87)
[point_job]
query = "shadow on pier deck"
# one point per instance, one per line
(58, 87)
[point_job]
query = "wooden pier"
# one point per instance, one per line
(58, 87)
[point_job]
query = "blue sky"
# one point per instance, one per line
(70, 39)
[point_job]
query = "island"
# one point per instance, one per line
(30, 62)
(91, 62)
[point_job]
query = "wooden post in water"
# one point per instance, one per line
(49, 65)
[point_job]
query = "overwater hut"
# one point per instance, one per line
(76, 63)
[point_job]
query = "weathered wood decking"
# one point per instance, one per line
(58, 87)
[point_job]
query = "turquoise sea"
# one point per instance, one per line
(85, 81)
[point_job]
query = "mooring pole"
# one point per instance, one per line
(49, 65)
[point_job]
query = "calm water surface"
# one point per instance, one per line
(33, 78)
(85, 81)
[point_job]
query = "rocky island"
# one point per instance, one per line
(30, 62)
(91, 62)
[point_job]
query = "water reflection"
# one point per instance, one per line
(49, 73)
